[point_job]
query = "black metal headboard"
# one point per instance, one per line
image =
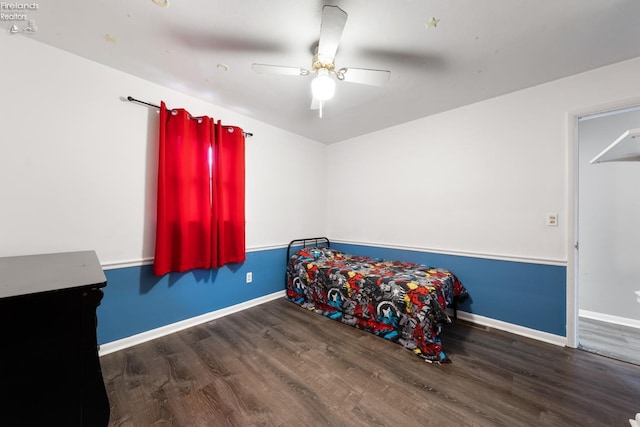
(316, 241)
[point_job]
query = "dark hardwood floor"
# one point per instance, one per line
(279, 365)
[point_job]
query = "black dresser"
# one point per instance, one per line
(50, 372)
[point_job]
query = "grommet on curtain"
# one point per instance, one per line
(132, 99)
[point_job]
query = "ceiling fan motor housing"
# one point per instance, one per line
(320, 62)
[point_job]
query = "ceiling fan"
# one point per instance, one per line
(323, 65)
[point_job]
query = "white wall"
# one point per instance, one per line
(478, 179)
(77, 163)
(77, 166)
(609, 221)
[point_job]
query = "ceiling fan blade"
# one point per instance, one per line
(333, 21)
(365, 76)
(278, 69)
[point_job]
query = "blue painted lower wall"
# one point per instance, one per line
(135, 301)
(520, 293)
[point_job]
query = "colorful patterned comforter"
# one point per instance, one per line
(400, 301)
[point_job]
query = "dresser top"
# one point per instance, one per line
(29, 274)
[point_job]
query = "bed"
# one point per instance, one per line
(400, 301)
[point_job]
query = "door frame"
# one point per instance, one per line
(572, 203)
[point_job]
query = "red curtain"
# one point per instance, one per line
(228, 195)
(200, 211)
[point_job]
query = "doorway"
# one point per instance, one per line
(608, 236)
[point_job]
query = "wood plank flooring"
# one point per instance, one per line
(279, 365)
(610, 340)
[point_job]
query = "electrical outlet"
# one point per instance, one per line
(249, 277)
(551, 219)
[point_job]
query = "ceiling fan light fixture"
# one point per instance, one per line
(323, 87)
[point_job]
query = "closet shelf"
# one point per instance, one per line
(624, 149)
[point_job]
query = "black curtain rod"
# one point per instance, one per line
(132, 99)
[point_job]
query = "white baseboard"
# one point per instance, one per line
(623, 321)
(121, 344)
(511, 328)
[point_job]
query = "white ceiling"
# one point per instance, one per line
(478, 50)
